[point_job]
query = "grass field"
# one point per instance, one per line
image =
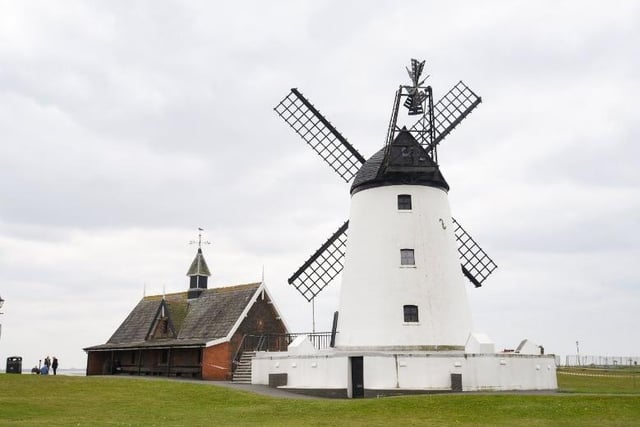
(32, 400)
(593, 380)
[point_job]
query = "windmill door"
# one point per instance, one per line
(357, 377)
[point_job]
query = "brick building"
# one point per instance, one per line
(198, 333)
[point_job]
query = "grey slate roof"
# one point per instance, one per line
(199, 266)
(369, 171)
(213, 314)
(197, 321)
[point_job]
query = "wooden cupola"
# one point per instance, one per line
(198, 275)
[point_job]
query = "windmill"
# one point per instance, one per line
(403, 323)
(436, 121)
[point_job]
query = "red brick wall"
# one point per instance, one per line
(216, 362)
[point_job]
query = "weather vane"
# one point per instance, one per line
(416, 93)
(199, 241)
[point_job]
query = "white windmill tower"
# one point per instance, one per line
(402, 286)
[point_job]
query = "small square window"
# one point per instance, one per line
(407, 257)
(404, 202)
(410, 313)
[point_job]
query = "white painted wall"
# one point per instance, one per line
(375, 287)
(509, 372)
(411, 371)
(316, 371)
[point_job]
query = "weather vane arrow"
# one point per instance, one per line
(199, 241)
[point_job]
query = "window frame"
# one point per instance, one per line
(401, 202)
(411, 312)
(403, 258)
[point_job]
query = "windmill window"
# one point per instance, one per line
(404, 202)
(410, 313)
(407, 257)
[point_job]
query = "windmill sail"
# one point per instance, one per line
(323, 266)
(320, 134)
(449, 111)
(476, 264)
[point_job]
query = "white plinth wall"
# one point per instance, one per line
(328, 372)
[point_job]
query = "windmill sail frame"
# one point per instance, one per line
(476, 264)
(320, 134)
(323, 266)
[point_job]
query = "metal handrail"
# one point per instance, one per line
(238, 353)
(277, 343)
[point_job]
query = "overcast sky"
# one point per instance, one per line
(125, 126)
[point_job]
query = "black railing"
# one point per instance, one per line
(278, 342)
(320, 340)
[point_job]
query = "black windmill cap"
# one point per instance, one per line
(404, 161)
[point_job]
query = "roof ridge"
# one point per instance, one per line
(218, 288)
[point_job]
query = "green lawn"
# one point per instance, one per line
(32, 400)
(593, 380)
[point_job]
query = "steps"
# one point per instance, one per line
(242, 374)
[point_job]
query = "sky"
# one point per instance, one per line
(126, 125)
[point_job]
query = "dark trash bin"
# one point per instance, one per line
(14, 365)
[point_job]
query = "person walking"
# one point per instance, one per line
(54, 365)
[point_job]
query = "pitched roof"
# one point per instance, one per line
(197, 321)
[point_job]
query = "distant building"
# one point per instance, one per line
(198, 333)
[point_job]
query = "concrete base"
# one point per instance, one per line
(342, 393)
(385, 373)
(333, 393)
